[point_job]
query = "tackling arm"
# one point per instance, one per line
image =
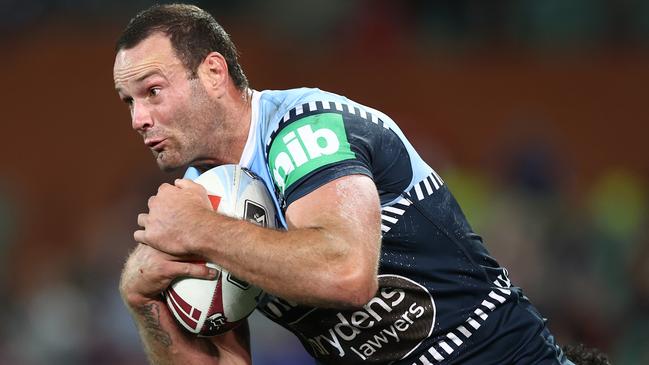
(329, 255)
(327, 258)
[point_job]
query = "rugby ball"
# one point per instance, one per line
(213, 307)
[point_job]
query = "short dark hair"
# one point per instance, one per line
(193, 33)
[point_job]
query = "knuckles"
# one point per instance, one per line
(198, 188)
(163, 187)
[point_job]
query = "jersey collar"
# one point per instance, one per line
(249, 149)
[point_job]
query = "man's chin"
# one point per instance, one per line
(167, 165)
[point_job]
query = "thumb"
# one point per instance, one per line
(187, 184)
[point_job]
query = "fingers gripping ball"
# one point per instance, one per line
(213, 307)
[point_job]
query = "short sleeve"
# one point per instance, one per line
(309, 151)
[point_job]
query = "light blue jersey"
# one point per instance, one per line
(272, 107)
(442, 298)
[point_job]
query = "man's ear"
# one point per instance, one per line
(213, 72)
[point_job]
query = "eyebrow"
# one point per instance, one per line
(142, 78)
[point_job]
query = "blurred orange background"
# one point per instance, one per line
(534, 112)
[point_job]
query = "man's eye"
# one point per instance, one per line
(154, 91)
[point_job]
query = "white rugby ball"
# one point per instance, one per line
(213, 307)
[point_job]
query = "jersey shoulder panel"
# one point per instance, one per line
(320, 137)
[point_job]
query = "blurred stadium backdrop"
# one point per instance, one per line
(534, 112)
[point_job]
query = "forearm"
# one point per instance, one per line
(165, 342)
(327, 258)
(307, 265)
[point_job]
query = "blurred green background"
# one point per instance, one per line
(534, 112)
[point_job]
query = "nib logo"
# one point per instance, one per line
(306, 145)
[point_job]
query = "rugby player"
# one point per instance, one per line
(377, 263)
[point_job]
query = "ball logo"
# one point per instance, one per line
(214, 323)
(255, 213)
(388, 328)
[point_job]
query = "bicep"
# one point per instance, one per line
(338, 230)
(347, 207)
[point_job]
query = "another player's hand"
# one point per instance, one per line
(174, 213)
(148, 272)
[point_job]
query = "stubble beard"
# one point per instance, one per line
(166, 160)
(183, 147)
(164, 165)
(194, 124)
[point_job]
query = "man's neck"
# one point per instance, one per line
(241, 120)
(232, 138)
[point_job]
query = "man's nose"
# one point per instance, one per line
(141, 117)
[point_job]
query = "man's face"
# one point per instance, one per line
(172, 112)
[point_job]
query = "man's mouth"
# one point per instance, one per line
(155, 144)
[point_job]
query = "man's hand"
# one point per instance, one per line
(174, 212)
(148, 272)
(329, 254)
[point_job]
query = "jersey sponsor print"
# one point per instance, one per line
(306, 145)
(389, 327)
(440, 292)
